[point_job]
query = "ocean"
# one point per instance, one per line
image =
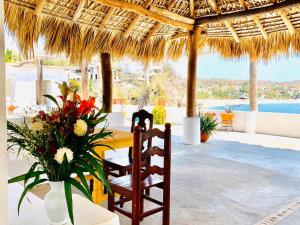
(293, 108)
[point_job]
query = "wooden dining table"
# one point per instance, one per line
(119, 139)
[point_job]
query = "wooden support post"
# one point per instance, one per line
(191, 101)
(84, 79)
(3, 135)
(40, 82)
(106, 82)
(253, 86)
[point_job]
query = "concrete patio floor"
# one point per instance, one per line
(233, 179)
(229, 182)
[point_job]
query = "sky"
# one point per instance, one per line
(212, 65)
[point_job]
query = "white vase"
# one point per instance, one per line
(55, 204)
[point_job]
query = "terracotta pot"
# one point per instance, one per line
(204, 137)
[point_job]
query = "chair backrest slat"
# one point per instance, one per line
(153, 151)
(139, 138)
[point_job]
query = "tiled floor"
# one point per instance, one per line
(234, 179)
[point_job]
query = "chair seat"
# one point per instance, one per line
(124, 183)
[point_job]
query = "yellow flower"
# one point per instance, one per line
(60, 154)
(37, 126)
(80, 128)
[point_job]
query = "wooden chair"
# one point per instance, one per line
(117, 167)
(227, 120)
(133, 186)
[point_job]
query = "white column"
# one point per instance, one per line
(3, 155)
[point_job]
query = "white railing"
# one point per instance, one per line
(281, 124)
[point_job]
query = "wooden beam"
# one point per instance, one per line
(191, 101)
(84, 79)
(214, 6)
(132, 7)
(136, 20)
(39, 82)
(192, 8)
(107, 17)
(244, 4)
(39, 7)
(180, 35)
(284, 16)
(3, 135)
(260, 27)
(232, 31)
(156, 27)
(253, 95)
(106, 82)
(79, 10)
(172, 15)
(248, 13)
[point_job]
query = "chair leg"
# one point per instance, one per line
(111, 202)
(135, 219)
(148, 191)
(142, 206)
(166, 205)
(122, 173)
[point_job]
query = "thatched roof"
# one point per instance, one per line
(155, 29)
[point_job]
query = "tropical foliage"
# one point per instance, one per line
(208, 124)
(63, 143)
(159, 115)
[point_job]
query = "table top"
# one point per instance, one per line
(85, 212)
(119, 139)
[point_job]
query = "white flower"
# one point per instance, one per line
(60, 154)
(80, 128)
(37, 126)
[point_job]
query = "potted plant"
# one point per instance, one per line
(208, 125)
(62, 142)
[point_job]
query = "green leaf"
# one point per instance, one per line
(69, 200)
(52, 99)
(30, 171)
(28, 188)
(76, 184)
(22, 177)
(81, 176)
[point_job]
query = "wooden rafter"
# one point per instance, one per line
(248, 13)
(107, 17)
(79, 10)
(171, 15)
(260, 27)
(244, 4)
(135, 21)
(180, 35)
(156, 27)
(232, 31)
(214, 6)
(192, 8)
(132, 7)
(284, 16)
(39, 7)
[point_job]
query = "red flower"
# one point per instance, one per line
(69, 106)
(86, 106)
(42, 115)
(41, 149)
(53, 148)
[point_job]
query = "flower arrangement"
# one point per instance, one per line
(62, 142)
(228, 109)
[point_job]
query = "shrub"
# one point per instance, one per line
(159, 115)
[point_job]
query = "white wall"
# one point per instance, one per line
(3, 153)
(282, 124)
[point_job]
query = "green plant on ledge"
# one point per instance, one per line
(159, 115)
(208, 126)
